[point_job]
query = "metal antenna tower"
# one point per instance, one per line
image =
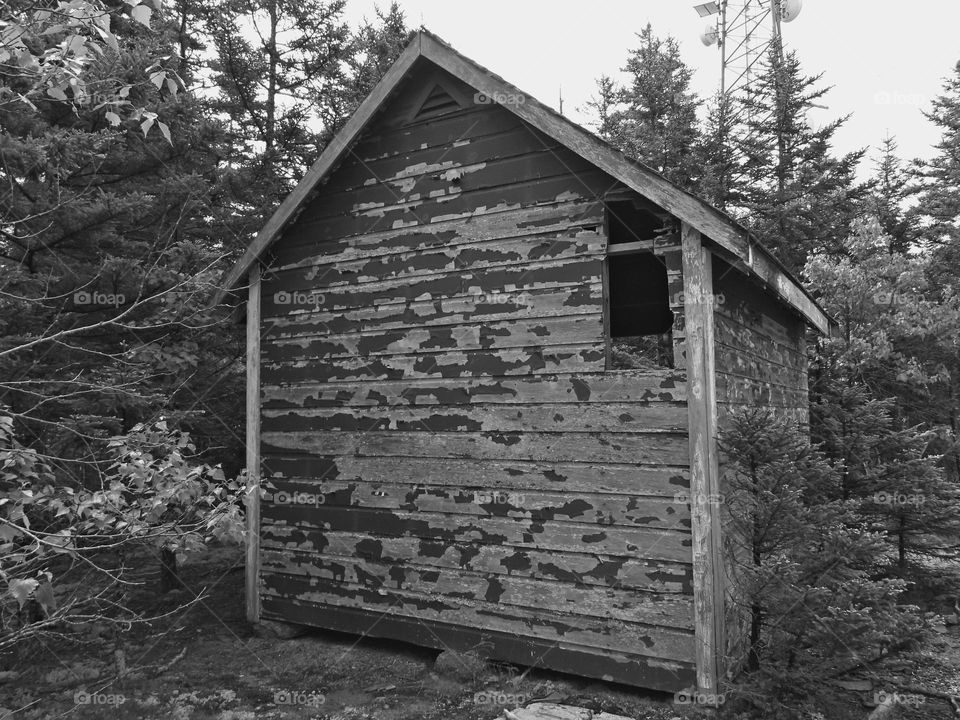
(745, 31)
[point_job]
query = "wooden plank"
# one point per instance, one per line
(552, 711)
(574, 417)
(252, 496)
(581, 298)
(649, 449)
(559, 217)
(756, 393)
(579, 569)
(418, 340)
(630, 248)
(704, 475)
(514, 476)
(424, 196)
(758, 347)
(380, 142)
(399, 170)
(529, 360)
(513, 193)
(608, 635)
(647, 385)
(742, 364)
(484, 283)
(627, 606)
(627, 510)
(566, 243)
(659, 674)
(309, 528)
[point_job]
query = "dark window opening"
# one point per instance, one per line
(628, 223)
(640, 319)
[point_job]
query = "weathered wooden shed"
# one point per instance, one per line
(487, 359)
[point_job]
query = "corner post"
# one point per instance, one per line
(708, 589)
(253, 447)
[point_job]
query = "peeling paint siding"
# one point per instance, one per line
(516, 475)
(633, 387)
(761, 350)
(760, 363)
(314, 522)
(584, 569)
(441, 445)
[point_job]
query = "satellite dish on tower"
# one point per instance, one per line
(710, 35)
(789, 9)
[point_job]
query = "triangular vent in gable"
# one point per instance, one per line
(438, 102)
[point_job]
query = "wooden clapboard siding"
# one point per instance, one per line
(538, 612)
(666, 513)
(460, 337)
(760, 349)
(541, 219)
(519, 476)
(518, 646)
(654, 609)
(451, 310)
(440, 440)
(669, 417)
(312, 523)
(580, 569)
(572, 242)
(760, 363)
(637, 386)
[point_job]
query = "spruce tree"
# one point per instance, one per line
(938, 208)
(653, 118)
(796, 194)
(278, 65)
(890, 192)
(803, 575)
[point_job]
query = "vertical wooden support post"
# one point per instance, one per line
(253, 447)
(708, 591)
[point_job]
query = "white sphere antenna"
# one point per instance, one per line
(789, 9)
(710, 35)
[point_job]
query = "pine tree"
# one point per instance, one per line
(938, 209)
(797, 196)
(719, 154)
(654, 117)
(883, 397)
(278, 64)
(376, 46)
(802, 574)
(889, 196)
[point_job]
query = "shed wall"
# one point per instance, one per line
(760, 349)
(760, 356)
(444, 458)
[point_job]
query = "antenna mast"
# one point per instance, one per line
(745, 31)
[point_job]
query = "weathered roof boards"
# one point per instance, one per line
(445, 448)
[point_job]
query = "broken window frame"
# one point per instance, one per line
(642, 245)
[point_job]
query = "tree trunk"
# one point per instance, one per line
(169, 579)
(270, 135)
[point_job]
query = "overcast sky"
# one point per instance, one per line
(885, 60)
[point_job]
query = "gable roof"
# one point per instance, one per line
(716, 225)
